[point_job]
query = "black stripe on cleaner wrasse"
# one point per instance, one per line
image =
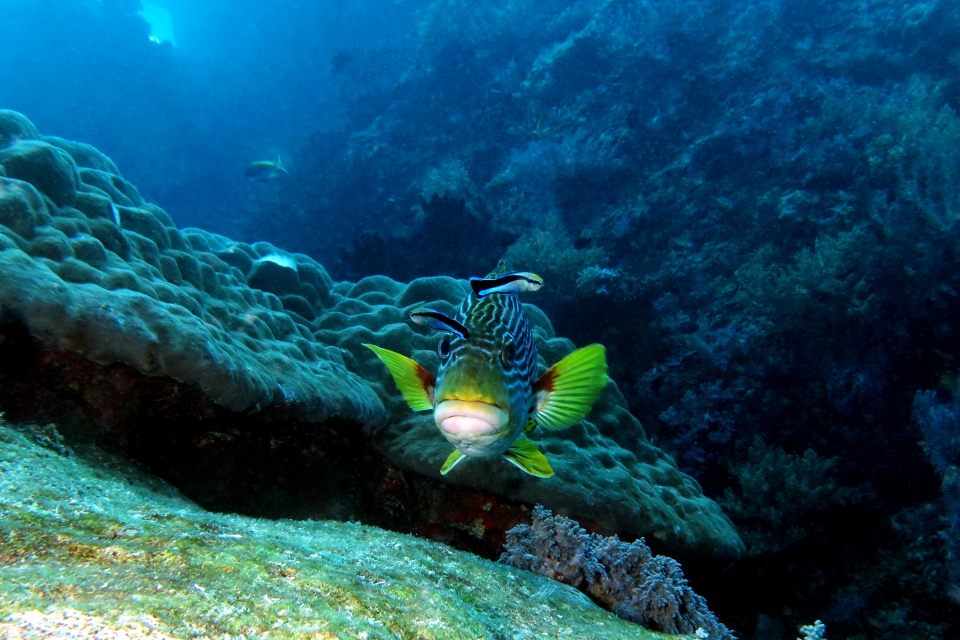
(439, 321)
(512, 282)
(486, 395)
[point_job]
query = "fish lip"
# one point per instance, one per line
(465, 418)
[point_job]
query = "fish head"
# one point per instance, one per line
(483, 387)
(473, 406)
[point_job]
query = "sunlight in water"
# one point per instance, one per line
(161, 23)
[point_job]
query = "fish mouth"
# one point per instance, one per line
(465, 419)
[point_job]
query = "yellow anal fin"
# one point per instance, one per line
(415, 383)
(565, 393)
(452, 460)
(525, 454)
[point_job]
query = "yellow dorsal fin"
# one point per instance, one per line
(565, 393)
(415, 383)
(525, 454)
(452, 460)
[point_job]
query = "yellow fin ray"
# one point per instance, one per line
(525, 454)
(415, 383)
(567, 391)
(452, 460)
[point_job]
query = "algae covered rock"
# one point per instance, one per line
(84, 155)
(48, 168)
(92, 542)
(21, 207)
(276, 274)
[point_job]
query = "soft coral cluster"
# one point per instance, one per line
(626, 578)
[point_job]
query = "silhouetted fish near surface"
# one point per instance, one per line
(487, 395)
(265, 170)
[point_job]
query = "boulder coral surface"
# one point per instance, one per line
(606, 469)
(90, 267)
(92, 270)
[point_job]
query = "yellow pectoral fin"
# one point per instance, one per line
(566, 391)
(525, 454)
(452, 460)
(415, 383)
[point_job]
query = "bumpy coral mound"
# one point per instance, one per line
(606, 469)
(91, 268)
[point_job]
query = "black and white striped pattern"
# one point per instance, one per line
(494, 322)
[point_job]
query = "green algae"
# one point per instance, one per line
(85, 532)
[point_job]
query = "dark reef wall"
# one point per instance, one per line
(754, 205)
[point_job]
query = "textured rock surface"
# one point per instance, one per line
(82, 534)
(109, 277)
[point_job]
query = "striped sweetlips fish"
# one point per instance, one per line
(487, 395)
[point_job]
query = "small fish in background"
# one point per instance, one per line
(487, 395)
(265, 170)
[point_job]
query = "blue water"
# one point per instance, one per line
(755, 206)
(243, 82)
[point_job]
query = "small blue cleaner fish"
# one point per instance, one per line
(265, 170)
(487, 395)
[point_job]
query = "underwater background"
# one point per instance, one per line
(754, 206)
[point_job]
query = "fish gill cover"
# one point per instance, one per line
(752, 204)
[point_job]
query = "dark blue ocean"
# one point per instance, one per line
(753, 204)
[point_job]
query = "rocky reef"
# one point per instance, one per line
(754, 205)
(95, 548)
(236, 372)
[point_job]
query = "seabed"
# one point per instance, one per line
(92, 546)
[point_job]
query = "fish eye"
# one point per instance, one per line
(507, 355)
(444, 348)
